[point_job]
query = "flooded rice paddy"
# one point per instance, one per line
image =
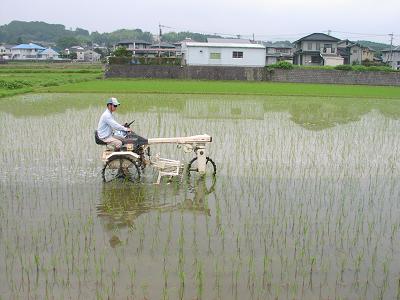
(305, 204)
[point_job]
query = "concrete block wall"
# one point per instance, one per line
(334, 77)
(185, 72)
(253, 74)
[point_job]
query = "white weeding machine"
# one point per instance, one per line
(134, 156)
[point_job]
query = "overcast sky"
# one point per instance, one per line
(268, 20)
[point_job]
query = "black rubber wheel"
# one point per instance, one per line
(121, 168)
(211, 168)
(203, 184)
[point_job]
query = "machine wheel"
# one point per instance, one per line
(211, 168)
(204, 183)
(121, 168)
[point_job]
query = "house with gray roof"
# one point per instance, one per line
(276, 52)
(391, 56)
(355, 53)
(5, 51)
(133, 44)
(48, 54)
(317, 49)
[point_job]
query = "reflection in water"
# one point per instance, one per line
(296, 213)
(312, 113)
(122, 203)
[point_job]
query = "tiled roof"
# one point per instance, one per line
(225, 45)
(394, 49)
(133, 41)
(162, 45)
(318, 37)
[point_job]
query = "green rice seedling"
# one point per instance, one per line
(199, 279)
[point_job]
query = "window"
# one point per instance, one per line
(398, 63)
(215, 55)
(282, 50)
(326, 47)
(237, 54)
(318, 46)
(354, 50)
(309, 46)
(316, 59)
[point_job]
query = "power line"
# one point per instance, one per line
(285, 35)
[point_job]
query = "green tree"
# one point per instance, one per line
(122, 52)
(67, 42)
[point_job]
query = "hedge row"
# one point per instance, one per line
(288, 66)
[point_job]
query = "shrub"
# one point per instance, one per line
(282, 65)
(122, 60)
(122, 52)
(372, 68)
(14, 84)
(344, 67)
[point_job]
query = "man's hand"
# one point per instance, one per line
(127, 129)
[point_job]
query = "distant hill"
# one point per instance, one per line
(174, 37)
(376, 46)
(17, 32)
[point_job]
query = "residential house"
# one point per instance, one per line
(276, 52)
(138, 47)
(5, 51)
(228, 40)
(79, 50)
(223, 54)
(75, 49)
(164, 49)
(48, 54)
(354, 53)
(392, 57)
(317, 49)
(91, 56)
(26, 51)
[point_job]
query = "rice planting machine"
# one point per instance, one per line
(134, 156)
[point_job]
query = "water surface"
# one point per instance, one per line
(304, 204)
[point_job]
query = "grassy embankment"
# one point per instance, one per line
(74, 78)
(18, 78)
(227, 87)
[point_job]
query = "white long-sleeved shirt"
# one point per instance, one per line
(107, 124)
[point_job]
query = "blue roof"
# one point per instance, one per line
(29, 46)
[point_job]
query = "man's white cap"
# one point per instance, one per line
(113, 101)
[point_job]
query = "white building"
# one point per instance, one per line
(49, 54)
(26, 51)
(5, 51)
(80, 55)
(392, 57)
(91, 56)
(223, 54)
(317, 49)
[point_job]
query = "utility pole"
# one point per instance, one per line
(391, 47)
(253, 37)
(329, 32)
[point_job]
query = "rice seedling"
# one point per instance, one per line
(304, 206)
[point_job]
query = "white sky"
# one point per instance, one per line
(268, 20)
